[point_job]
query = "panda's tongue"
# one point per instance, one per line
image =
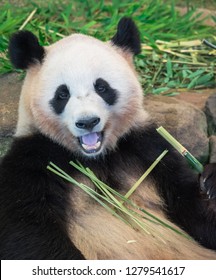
(91, 142)
(90, 139)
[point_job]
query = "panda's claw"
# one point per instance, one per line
(208, 181)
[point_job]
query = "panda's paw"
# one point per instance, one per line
(208, 181)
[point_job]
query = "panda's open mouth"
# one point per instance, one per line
(92, 142)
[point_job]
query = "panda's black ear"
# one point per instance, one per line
(127, 36)
(24, 50)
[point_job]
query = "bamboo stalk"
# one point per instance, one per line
(28, 19)
(132, 216)
(148, 171)
(52, 31)
(181, 149)
(180, 44)
(186, 62)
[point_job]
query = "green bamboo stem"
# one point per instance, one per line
(136, 185)
(127, 215)
(181, 149)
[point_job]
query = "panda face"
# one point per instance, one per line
(83, 94)
(89, 121)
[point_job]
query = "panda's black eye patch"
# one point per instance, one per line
(60, 99)
(105, 91)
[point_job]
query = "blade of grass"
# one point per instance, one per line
(28, 19)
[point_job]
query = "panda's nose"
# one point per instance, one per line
(89, 123)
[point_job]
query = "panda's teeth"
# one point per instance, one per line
(89, 148)
(91, 143)
(97, 144)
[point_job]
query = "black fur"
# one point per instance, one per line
(24, 50)
(60, 99)
(105, 91)
(127, 36)
(34, 201)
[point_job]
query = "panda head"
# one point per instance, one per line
(80, 92)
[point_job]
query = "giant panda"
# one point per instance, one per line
(81, 100)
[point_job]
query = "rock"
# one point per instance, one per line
(9, 93)
(204, 14)
(184, 121)
(196, 97)
(212, 145)
(210, 111)
(9, 98)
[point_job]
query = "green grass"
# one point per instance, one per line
(207, 4)
(162, 68)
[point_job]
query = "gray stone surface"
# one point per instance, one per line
(212, 145)
(10, 86)
(210, 111)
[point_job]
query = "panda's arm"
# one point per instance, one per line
(179, 186)
(32, 212)
(22, 240)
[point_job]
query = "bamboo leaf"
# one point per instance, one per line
(169, 68)
(160, 90)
